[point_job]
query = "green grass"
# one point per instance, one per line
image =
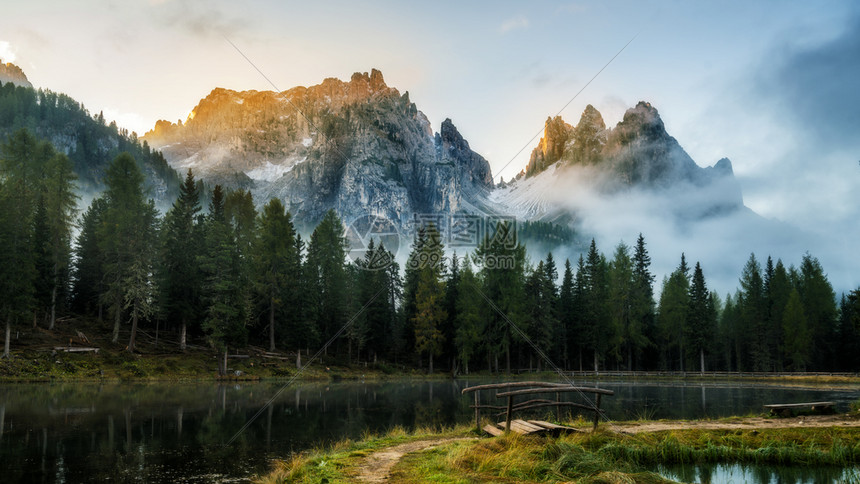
(603, 456)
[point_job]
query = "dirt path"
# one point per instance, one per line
(377, 466)
(809, 421)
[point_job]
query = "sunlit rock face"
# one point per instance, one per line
(358, 147)
(11, 73)
(573, 166)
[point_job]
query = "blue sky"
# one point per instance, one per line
(769, 84)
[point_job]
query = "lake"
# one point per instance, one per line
(177, 432)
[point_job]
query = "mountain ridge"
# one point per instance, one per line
(358, 146)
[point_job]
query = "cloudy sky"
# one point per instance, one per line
(769, 84)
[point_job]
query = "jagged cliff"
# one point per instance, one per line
(637, 153)
(359, 147)
(11, 73)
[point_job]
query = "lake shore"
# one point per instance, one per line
(49, 362)
(616, 452)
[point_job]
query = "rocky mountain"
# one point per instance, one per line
(360, 147)
(11, 73)
(637, 154)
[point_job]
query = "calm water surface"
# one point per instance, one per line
(162, 432)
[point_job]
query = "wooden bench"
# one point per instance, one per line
(788, 409)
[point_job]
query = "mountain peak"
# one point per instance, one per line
(11, 73)
(643, 118)
(556, 133)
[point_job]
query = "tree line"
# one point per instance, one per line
(231, 276)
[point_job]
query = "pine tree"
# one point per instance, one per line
(566, 312)
(819, 305)
(274, 254)
(226, 317)
(181, 281)
(60, 206)
(778, 288)
(469, 321)
(795, 325)
(430, 314)
(672, 313)
(20, 162)
(127, 239)
(502, 261)
(701, 318)
(326, 272)
(849, 331)
(642, 301)
(89, 270)
(596, 321)
(627, 333)
(449, 326)
(578, 329)
(753, 307)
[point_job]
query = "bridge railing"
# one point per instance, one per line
(520, 388)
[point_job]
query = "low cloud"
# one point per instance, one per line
(519, 22)
(671, 221)
(7, 53)
(204, 20)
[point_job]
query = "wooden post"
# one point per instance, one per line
(596, 412)
(558, 407)
(477, 412)
(508, 416)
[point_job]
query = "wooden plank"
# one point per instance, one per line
(548, 425)
(523, 427)
(529, 391)
(493, 430)
(76, 349)
(516, 384)
(779, 406)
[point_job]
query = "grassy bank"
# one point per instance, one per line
(604, 456)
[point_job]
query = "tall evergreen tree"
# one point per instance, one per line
(449, 326)
(89, 270)
(430, 314)
(701, 318)
(778, 288)
(642, 301)
(274, 254)
(627, 332)
(597, 320)
(819, 305)
(61, 207)
(470, 320)
(673, 312)
(566, 312)
(753, 307)
(128, 237)
(226, 317)
(181, 281)
(502, 261)
(326, 271)
(795, 325)
(20, 163)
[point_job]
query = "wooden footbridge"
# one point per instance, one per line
(522, 388)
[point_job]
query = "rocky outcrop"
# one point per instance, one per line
(556, 134)
(11, 73)
(358, 147)
(637, 154)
